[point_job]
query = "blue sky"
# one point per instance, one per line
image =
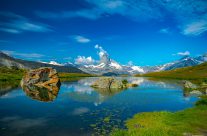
(145, 32)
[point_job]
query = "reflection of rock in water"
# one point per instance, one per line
(41, 93)
(108, 92)
(42, 84)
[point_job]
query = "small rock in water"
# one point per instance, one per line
(196, 92)
(111, 83)
(188, 85)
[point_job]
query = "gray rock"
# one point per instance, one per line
(188, 85)
(107, 83)
(196, 92)
(111, 83)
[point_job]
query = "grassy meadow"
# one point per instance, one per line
(186, 122)
(194, 72)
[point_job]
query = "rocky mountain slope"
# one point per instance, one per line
(105, 66)
(8, 61)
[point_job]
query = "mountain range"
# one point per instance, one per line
(8, 61)
(106, 65)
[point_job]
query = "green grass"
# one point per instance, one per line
(197, 74)
(10, 77)
(73, 76)
(10, 74)
(192, 120)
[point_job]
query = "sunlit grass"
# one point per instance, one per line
(73, 76)
(197, 74)
(164, 123)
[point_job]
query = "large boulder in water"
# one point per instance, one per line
(43, 77)
(41, 84)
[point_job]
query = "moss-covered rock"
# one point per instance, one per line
(111, 83)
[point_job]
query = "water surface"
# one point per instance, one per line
(78, 109)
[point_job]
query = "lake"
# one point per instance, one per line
(79, 110)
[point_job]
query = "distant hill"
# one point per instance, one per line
(8, 61)
(193, 72)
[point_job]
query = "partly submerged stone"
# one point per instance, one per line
(188, 85)
(42, 84)
(110, 83)
(44, 77)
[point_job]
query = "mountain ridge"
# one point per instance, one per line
(106, 65)
(8, 61)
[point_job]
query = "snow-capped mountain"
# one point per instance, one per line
(107, 65)
(183, 62)
(202, 58)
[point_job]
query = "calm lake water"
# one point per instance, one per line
(78, 109)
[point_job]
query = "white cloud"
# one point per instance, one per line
(195, 28)
(184, 12)
(20, 125)
(24, 55)
(164, 31)
(130, 63)
(9, 30)
(81, 110)
(130, 8)
(52, 62)
(101, 50)
(81, 39)
(55, 63)
(186, 53)
(17, 24)
(84, 60)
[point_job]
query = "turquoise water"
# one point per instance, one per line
(78, 109)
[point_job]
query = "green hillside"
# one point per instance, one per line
(191, 73)
(15, 74)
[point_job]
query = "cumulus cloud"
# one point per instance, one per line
(84, 60)
(101, 50)
(17, 24)
(81, 39)
(24, 55)
(186, 53)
